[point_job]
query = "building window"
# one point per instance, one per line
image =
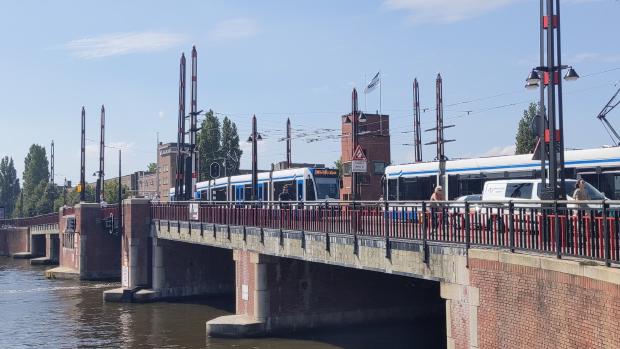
(378, 167)
(346, 168)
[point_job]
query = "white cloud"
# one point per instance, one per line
(446, 11)
(234, 29)
(123, 44)
(501, 150)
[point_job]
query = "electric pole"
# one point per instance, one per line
(179, 185)
(83, 159)
(416, 122)
(288, 143)
(52, 163)
(439, 127)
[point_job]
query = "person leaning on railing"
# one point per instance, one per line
(434, 205)
(284, 197)
(581, 193)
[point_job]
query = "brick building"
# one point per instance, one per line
(167, 163)
(374, 138)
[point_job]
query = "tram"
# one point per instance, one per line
(599, 167)
(304, 184)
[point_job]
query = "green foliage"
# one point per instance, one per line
(36, 177)
(71, 197)
(208, 144)
(9, 186)
(218, 143)
(525, 139)
(338, 165)
(110, 192)
(152, 167)
(230, 149)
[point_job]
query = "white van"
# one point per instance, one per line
(528, 189)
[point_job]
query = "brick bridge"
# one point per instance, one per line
(488, 275)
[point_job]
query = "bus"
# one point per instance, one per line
(305, 184)
(599, 167)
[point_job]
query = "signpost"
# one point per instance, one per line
(359, 163)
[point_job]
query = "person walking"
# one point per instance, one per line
(438, 194)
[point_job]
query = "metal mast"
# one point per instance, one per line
(416, 122)
(440, 141)
(178, 187)
(354, 141)
(193, 123)
(83, 158)
(52, 163)
(288, 143)
(254, 159)
(101, 181)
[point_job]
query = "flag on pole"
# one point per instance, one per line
(373, 83)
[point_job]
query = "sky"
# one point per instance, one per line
(290, 59)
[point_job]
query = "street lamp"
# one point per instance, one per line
(550, 128)
(254, 138)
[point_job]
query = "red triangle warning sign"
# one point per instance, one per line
(359, 153)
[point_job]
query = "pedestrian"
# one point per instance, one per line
(581, 193)
(438, 194)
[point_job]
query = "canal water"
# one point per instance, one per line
(40, 313)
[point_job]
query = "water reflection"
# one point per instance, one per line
(36, 312)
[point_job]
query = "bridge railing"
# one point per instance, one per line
(587, 229)
(49, 218)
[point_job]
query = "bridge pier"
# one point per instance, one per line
(154, 269)
(90, 252)
(275, 294)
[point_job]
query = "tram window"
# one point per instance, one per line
(392, 189)
(278, 187)
(417, 188)
(219, 194)
(310, 190)
(519, 190)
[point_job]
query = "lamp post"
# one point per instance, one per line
(550, 128)
(254, 138)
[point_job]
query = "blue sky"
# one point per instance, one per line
(280, 59)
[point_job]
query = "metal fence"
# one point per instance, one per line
(588, 229)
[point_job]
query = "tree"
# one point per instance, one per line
(525, 140)
(208, 144)
(36, 171)
(47, 194)
(338, 165)
(9, 186)
(111, 192)
(230, 149)
(152, 167)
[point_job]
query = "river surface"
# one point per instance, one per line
(40, 313)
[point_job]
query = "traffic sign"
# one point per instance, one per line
(359, 153)
(359, 166)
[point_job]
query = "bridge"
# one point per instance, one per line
(491, 274)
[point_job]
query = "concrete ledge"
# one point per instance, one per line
(62, 273)
(22, 255)
(123, 295)
(488, 255)
(235, 326)
(43, 261)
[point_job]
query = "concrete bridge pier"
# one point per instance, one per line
(275, 294)
(155, 269)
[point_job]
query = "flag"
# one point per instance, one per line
(373, 83)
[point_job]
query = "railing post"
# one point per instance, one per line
(511, 224)
(386, 224)
(354, 228)
(424, 233)
(467, 233)
(606, 236)
(556, 230)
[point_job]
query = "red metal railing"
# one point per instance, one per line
(590, 229)
(50, 218)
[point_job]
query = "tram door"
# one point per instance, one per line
(300, 190)
(261, 192)
(239, 197)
